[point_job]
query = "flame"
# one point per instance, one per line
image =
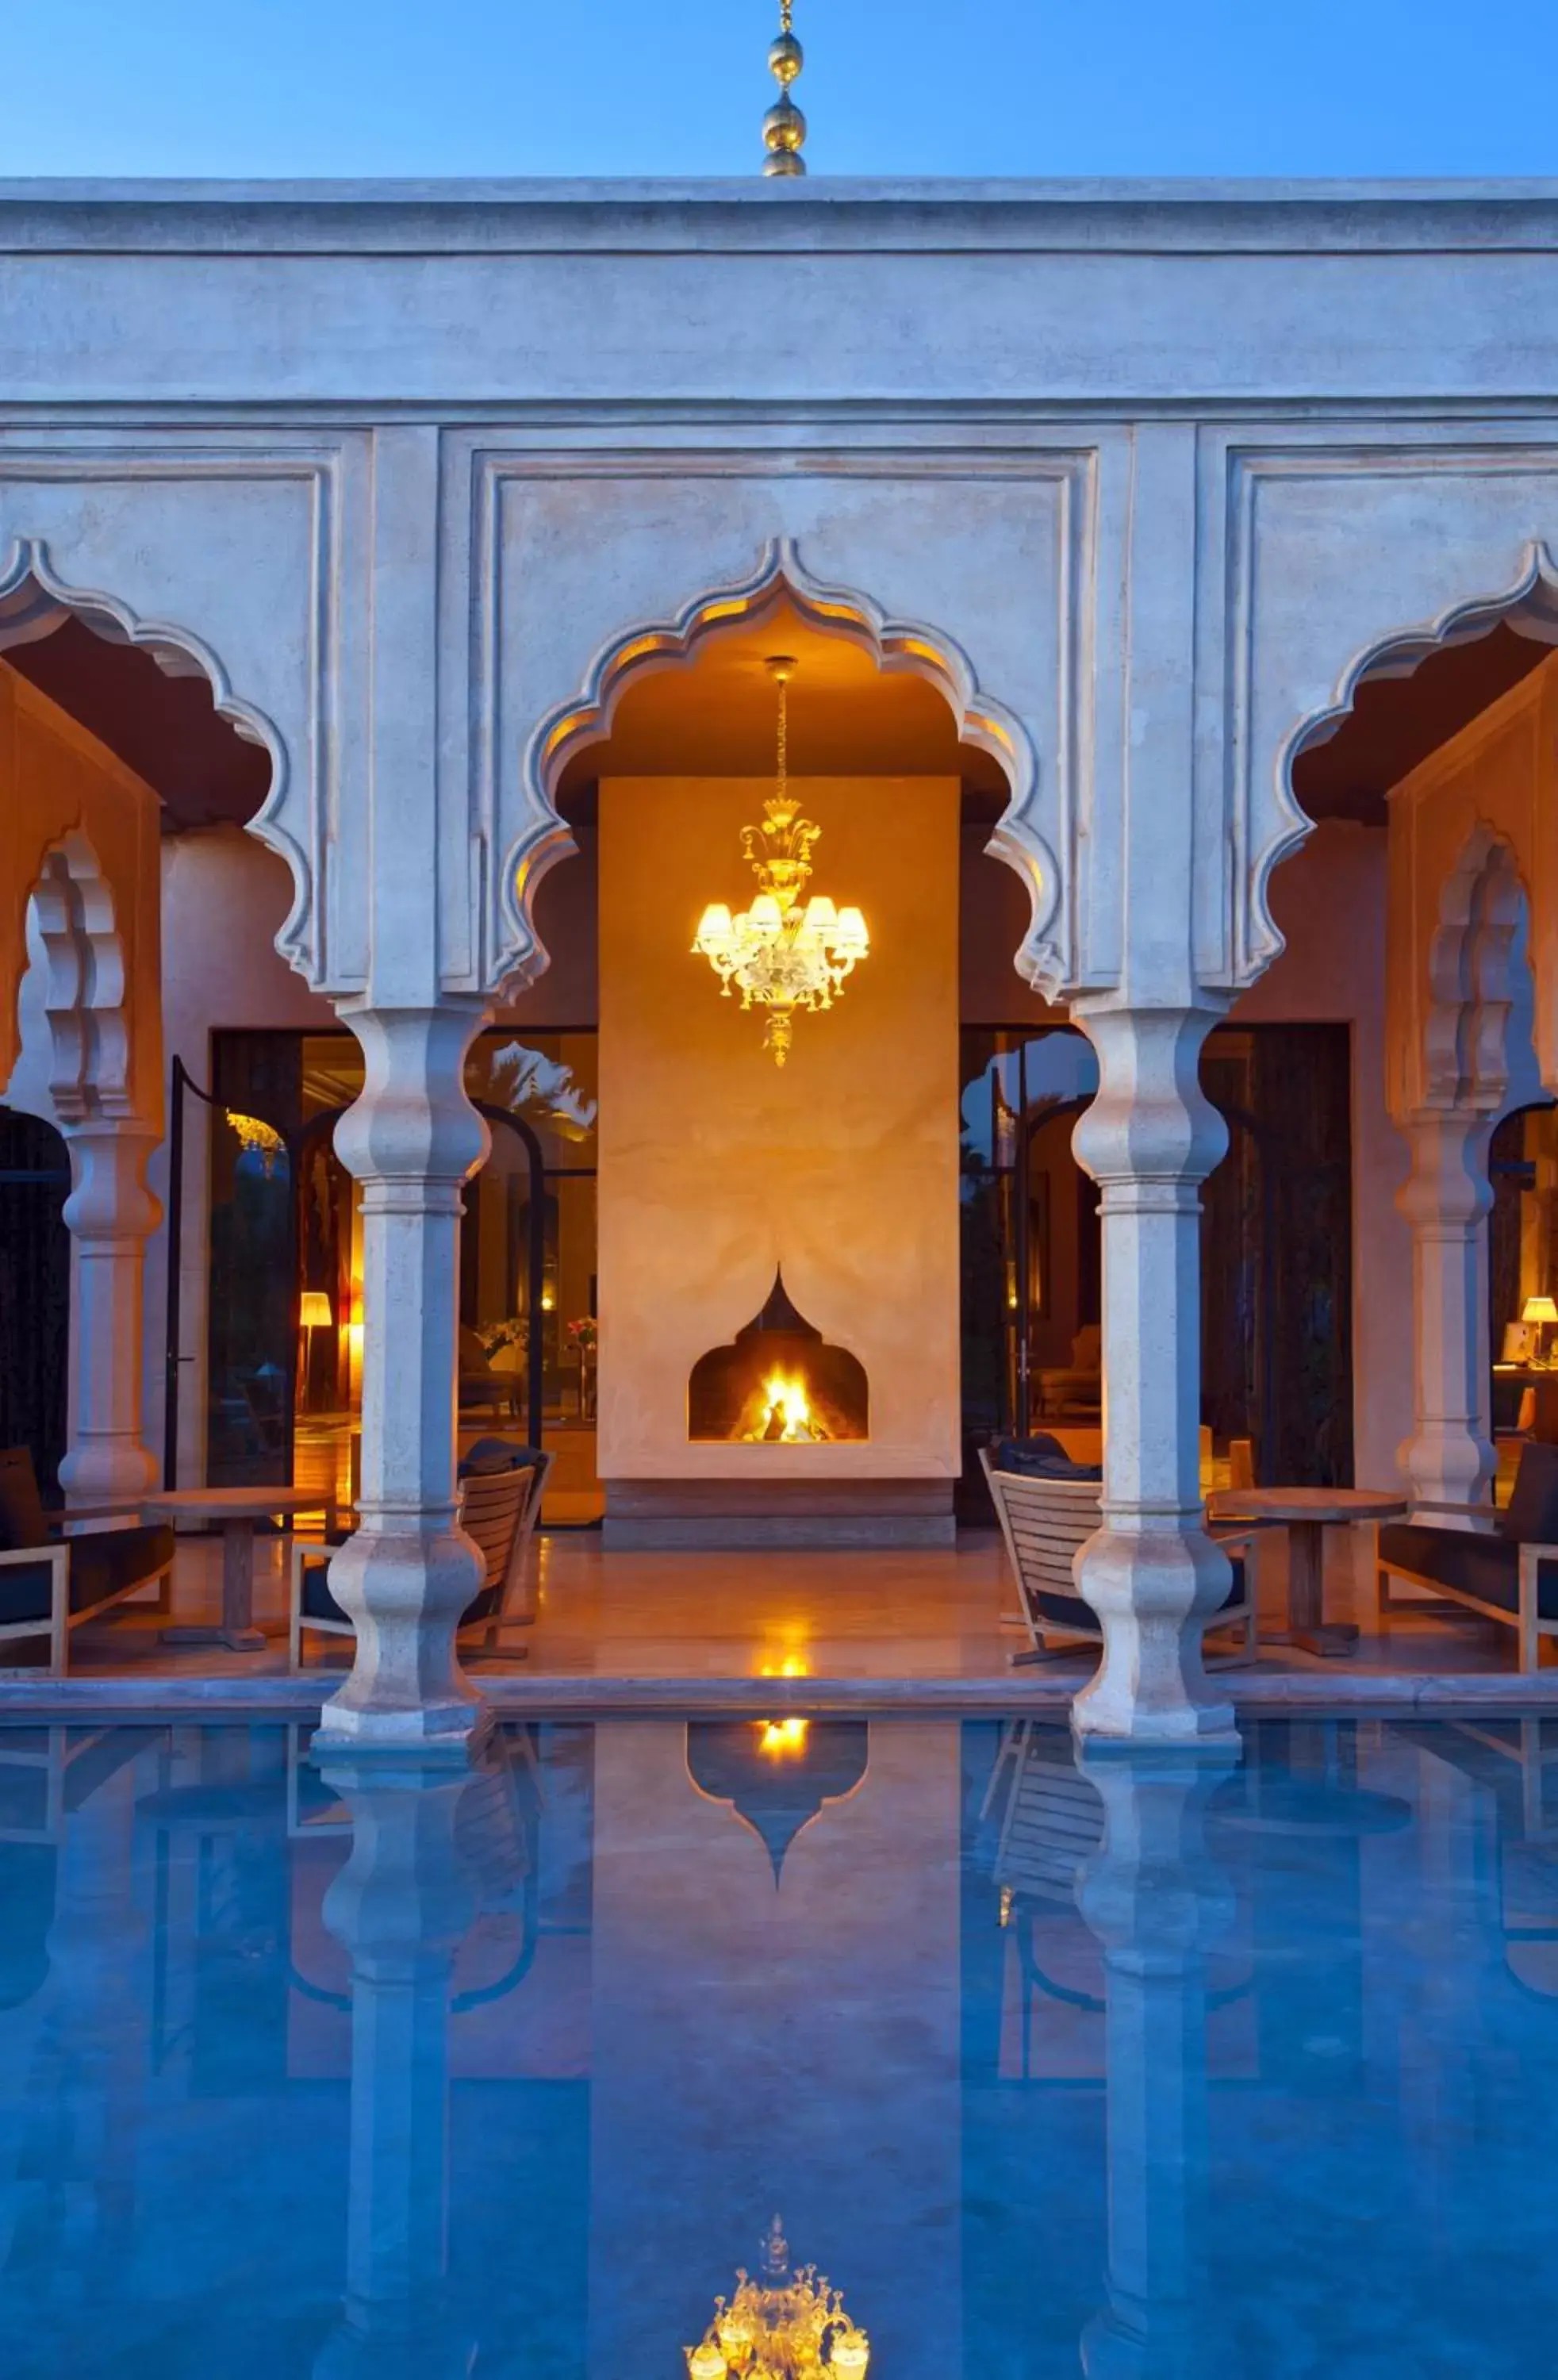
(781, 1414)
(780, 1739)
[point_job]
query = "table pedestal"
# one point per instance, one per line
(235, 1629)
(1308, 1628)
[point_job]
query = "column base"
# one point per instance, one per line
(438, 1734)
(1153, 1592)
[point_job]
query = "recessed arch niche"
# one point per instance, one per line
(713, 1177)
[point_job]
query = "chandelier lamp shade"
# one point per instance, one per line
(787, 951)
(787, 2325)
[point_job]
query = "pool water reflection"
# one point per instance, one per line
(1125, 2068)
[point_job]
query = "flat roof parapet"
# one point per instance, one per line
(837, 214)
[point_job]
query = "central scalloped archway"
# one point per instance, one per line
(980, 721)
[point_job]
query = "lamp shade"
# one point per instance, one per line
(313, 1310)
(1539, 1309)
(713, 928)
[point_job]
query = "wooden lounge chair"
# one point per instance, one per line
(1046, 1519)
(500, 1493)
(1506, 1568)
(50, 1585)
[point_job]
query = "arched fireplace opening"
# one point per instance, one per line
(778, 1383)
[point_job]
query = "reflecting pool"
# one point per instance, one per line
(1124, 2067)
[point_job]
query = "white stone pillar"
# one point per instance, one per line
(1449, 1458)
(1151, 1573)
(110, 1215)
(411, 1140)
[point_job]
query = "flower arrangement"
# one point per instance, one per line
(496, 1336)
(584, 1335)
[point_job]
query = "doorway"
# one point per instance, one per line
(34, 1293)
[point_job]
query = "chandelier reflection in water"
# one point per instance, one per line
(782, 954)
(786, 2326)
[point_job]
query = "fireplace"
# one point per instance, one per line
(778, 1383)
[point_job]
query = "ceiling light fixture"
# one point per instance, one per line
(778, 955)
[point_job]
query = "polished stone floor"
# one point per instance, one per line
(888, 1616)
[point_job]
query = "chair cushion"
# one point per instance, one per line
(1531, 1515)
(23, 1522)
(1469, 1561)
(318, 1603)
(1041, 1457)
(103, 1563)
(499, 1455)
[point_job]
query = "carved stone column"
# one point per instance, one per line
(1151, 1573)
(412, 1139)
(110, 1215)
(1446, 1197)
(1155, 1903)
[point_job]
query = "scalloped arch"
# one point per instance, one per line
(35, 600)
(1529, 603)
(893, 645)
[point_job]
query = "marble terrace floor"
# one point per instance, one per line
(933, 1615)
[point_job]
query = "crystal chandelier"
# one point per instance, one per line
(788, 2326)
(780, 954)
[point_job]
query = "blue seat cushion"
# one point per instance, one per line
(1041, 1457)
(103, 1564)
(499, 1455)
(1468, 1561)
(317, 1602)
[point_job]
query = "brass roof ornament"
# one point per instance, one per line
(784, 128)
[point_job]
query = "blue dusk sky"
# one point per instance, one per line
(1061, 87)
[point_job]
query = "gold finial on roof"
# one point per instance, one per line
(784, 128)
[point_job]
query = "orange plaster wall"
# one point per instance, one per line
(54, 778)
(715, 1165)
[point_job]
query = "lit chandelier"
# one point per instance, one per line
(789, 2326)
(778, 955)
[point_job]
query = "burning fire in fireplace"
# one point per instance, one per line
(780, 1413)
(778, 1383)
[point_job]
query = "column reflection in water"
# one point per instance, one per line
(1156, 1904)
(430, 1846)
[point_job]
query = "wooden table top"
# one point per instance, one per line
(235, 1503)
(1316, 1504)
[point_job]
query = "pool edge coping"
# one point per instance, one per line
(525, 1695)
